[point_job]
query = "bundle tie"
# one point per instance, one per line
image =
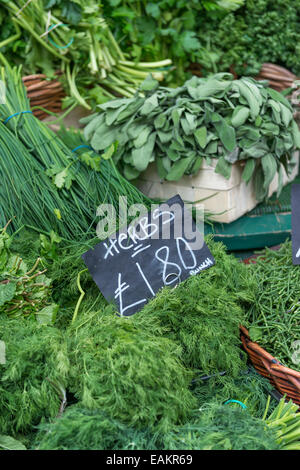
(54, 26)
(81, 147)
(236, 401)
(16, 114)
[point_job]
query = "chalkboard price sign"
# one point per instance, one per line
(296, 223)
(162, 248)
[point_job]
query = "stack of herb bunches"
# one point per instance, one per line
(218, 117)
(85, 50)
(44, 183)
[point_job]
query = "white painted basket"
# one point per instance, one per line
(226, 199)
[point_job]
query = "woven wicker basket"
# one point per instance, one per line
(278, 77)
(285, 380)
(47, 94)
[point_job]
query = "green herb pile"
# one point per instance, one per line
(36, 364)
(213, 426)
(45, 183)
(75, 38)
(74, 374)
(116, 366)
(81, 429)
(217, 296)
(217, 427)
(275, 314)
(248, 387)
(218, 117)
(220, 427)
(166, 29)
(109, 363)
(261, 31)
(23, 291)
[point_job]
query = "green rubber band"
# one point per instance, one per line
(236, 401)
(54, 43)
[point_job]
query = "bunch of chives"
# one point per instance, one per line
(28, 193)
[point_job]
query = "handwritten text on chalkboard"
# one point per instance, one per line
(162, 248)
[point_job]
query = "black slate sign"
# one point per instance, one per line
(296, 223)
(162, 248)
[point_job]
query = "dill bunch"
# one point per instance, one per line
(213, 427)
(219, 427)
(82, 429)
(36, 366)
(203, 314)
(249, 387)
(134, 374)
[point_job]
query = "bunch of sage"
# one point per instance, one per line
(216, 117)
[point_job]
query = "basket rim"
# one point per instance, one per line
(276, 365)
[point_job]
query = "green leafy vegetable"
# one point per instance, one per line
(275, 314)
(49, 184)
(177, 128)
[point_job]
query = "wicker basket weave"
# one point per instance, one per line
(278, 77)
(43, 93)
(285, 380)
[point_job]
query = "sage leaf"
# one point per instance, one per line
(149, 105)
(249, 97)
(232, 157)
(141, 156)
(160, 121)
(223, 168)
(185, 126)
(165, 137)
(257, 150)
(212, 148)
(197, 164)
(227, 135)
(130, 172)
(201, 136)
(92, 126)
(248, 170)
(149, 84)
(162, 173)
(269, 166)
(296, 134)
(176, 115)
(142, 137)
(178, 169)
(131, 107)
(259, 187)
(280, 181)
(112, 115)
(240, 116)
(276, 96)
(103, 137)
